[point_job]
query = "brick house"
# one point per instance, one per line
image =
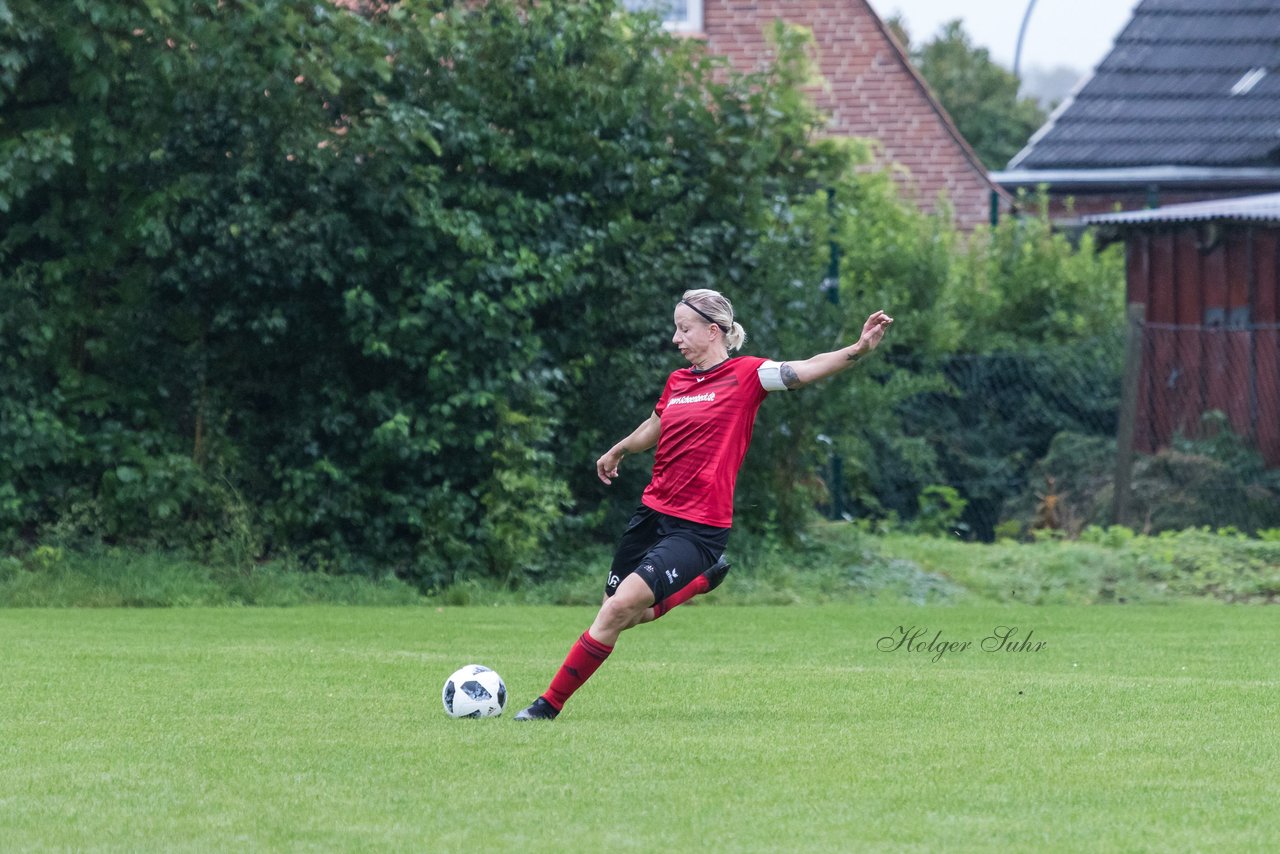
(870, 90)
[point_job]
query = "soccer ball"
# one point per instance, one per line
(474, 691)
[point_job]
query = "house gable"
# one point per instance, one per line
(870, 89)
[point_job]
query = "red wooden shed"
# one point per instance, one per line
(1208, 274)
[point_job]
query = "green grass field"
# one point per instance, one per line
(720, 729)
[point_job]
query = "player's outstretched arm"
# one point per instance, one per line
(641, 439)
(823, 365)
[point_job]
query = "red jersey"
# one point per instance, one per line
(707, 418)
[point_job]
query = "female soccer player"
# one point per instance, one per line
(673, 547)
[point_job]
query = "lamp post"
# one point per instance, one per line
(1022, 32)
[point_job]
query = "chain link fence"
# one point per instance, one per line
(1189, 371)
(1029, 439)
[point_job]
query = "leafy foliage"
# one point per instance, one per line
(1003, 339)
(980, 95)
(373, 291)
(388, 280)
(1217, 481)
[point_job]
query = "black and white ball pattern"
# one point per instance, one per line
(474, 691)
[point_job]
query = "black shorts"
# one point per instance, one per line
(665, 551)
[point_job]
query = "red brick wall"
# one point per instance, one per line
(869, 91)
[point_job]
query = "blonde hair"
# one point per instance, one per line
(714, 306)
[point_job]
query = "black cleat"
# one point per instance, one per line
(715, 575)
(539, 710)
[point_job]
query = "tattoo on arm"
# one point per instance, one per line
(855, 357)
(790, 378)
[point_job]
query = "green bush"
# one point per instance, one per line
(375, 291)
(1005, 338)
(48, 577)
(391, 281)
(1106, 565)
(1223, 564)
(1218, 481)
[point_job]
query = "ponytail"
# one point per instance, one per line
(715, 308)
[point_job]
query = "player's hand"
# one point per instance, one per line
(607, 466)
(873, 330)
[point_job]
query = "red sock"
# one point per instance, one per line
(584, 657)
(684, 594)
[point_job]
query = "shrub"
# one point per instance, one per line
(341, 270)
(1219, 481)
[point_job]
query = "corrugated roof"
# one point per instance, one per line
(1188, 83)
(1265, 208)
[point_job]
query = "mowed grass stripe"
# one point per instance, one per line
(728, 729)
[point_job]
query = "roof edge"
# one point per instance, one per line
(1139, 177)
(948, 123)
(1257, 209)
(1050, 122)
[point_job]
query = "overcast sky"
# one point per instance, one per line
(1074, 33)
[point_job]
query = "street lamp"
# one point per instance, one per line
(1022, 32)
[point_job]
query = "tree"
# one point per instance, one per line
(375, 288)
(980, 95)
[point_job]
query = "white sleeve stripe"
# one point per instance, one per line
(770, 374)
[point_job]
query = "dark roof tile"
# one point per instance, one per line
(1168, 132)
(1202, 28)
(1225, 7)
(1117, 153)
(1188, 82)
(1179, 57)
(1191, 110)
(1133, 84)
